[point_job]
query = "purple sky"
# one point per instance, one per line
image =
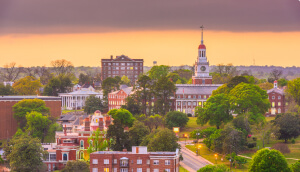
(83, 16)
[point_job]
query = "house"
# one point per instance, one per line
(277, 100)
(138, 160)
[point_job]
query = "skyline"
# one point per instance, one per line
(34, 33)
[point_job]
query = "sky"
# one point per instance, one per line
(241, 32)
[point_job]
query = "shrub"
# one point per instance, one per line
(283, 148)
(254, 138)
(296, 166)
(293, 141)
(189, 115)
(251, 145)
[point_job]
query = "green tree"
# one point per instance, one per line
(92, 103)
(58, 84)
(288, 126)
(109, 85)
(27, 86)
(236, 80)
(97, 142)
(232, 140)
(294, 90)
(214, 168)
(241, 122)
(143, 92)
(216, 111)
(282, 82)
(176, 119)
(119, 138)
(123, 116)
(163, 90)
(125, 80)
(154, 121)
(296, 166)
(25, 106)
(24, 153)
(164, 140)
(133, 104)
(85, 79)
(50, 136)
(6, 90)
(76, 166)
(37, 125)
(137, 132)
(266, 86)
(269, 161)
(157, 72)
(185, 74)
(249, 98)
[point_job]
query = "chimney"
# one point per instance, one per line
(107, 121)
(111, 57)
(80, 120)
(65, 130)
(101, 124)
(86, 124)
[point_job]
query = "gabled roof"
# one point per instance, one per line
(127, 90)
(81, 92)
(276, 90)
(86, 86)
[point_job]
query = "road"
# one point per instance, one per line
(191, 162)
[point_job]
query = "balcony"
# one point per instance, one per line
(124, 165)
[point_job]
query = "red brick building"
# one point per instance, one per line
(277, 100)
(8, 125)
(117, 98)
(139, 160)
(73, 146)
(122, 66)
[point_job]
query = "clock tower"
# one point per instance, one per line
(202, 65)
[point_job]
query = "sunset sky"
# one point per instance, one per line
(35, 32)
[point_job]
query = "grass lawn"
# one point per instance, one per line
(191, 126)
(210, 156)
(181, 169)
(67, 111)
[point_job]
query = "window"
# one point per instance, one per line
(167, 162)
(273, 104)
(106, 161)
(156, 162)
(122, 64)
(156, 170)
(189, 103)
(178, 103)
(124, 170)
(200, 103)
(95, 161)
(195, 103)
(178, 97)
(199, 97)
(148, 169)
(279, 103)
(139, 170)
(286, 103)
(183, 110)
(65, 157)
(279, 97)
(148, 161)
(183, 103)
(203, 81)
(167, 170)
(139, 161)
(273, 97)
(81, 155)
(109, 64)
(95, 169)
(194, 96)
(106, 169)
(189, 96)
(115, 169)
(279, 110)
(52, 157)
(115, 161)
(204, 96)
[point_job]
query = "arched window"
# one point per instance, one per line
(81, 155)
(65, 157)
(81, 144)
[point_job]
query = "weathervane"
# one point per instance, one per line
(202, 34)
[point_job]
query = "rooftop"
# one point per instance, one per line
(29, 97)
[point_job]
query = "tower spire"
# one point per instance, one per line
(202, 34)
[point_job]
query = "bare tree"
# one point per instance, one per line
(62, 66)
(11, 72)
(276, 74)
(29, 71)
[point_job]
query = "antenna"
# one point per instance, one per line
(202, 34)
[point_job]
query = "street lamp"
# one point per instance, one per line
(185, 135)
(199, 149)
(216, 157)
(176, 130)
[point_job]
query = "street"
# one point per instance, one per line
(191, 162)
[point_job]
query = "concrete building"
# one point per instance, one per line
(121, 66)
(8, 125)
(138, 160)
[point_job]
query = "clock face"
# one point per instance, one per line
(203, 68)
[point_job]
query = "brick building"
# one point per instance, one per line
(117, 98)
(122, 66)
(8, 125)
(277, 100)
(139, 160)
(73, 144)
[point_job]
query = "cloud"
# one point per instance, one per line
(83, 16)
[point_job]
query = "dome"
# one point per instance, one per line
(201, 46)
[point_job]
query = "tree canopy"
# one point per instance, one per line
(176, 119)
(137, 132)
(214, 168)
(6, 90)
(294, 90)
(27, 86)
(288, 126)
(216, 111)
(59, 84)
(24, 153)
(92, 103)
(122, 116)
(163, 140)
(76, 166)
(269, 160)
(25, 106)
(156, 72)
